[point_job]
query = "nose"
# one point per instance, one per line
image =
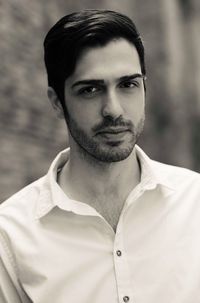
(111, 106)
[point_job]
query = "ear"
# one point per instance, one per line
(55, 102)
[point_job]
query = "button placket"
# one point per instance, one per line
(121, 267)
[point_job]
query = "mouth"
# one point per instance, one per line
(112, 131)
(113, 134)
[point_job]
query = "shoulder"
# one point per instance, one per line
(22, 204)
(173, 175)
(177, 176)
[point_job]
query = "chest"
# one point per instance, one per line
(76, 260)
(72, 258)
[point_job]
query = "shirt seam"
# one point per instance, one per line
(10, 257)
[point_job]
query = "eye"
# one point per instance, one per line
(129, 84)
(89, 91)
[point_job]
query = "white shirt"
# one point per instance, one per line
(57, 250)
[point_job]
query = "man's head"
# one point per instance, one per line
(95, 66)
(67, 39)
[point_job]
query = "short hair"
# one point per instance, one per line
(73, 33)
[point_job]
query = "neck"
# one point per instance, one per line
(95, 178)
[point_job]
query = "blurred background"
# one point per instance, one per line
(31, 135)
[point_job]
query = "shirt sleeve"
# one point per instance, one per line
(10, 290)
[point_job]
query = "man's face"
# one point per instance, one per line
(105, 101)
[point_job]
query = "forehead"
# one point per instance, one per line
(114, 60)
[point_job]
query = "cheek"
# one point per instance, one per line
(84, 115)
(135, 107)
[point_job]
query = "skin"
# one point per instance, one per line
(105, 100)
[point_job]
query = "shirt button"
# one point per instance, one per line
(119, 253)
(125, 298)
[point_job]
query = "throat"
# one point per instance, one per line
(110, 209)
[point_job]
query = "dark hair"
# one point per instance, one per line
(66, 40)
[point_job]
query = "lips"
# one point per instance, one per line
(113, 130)
(114, 134)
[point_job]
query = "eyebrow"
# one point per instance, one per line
(102, 82)
(88, 81)
(131, 77)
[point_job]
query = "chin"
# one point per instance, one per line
(111, 154)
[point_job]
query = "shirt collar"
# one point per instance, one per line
(151, 175)
(51, 194)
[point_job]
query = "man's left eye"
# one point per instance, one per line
(129, 84)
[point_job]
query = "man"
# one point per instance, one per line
(106, 224)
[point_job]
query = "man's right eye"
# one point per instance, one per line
(89, 91)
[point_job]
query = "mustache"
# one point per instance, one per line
(109, 122)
